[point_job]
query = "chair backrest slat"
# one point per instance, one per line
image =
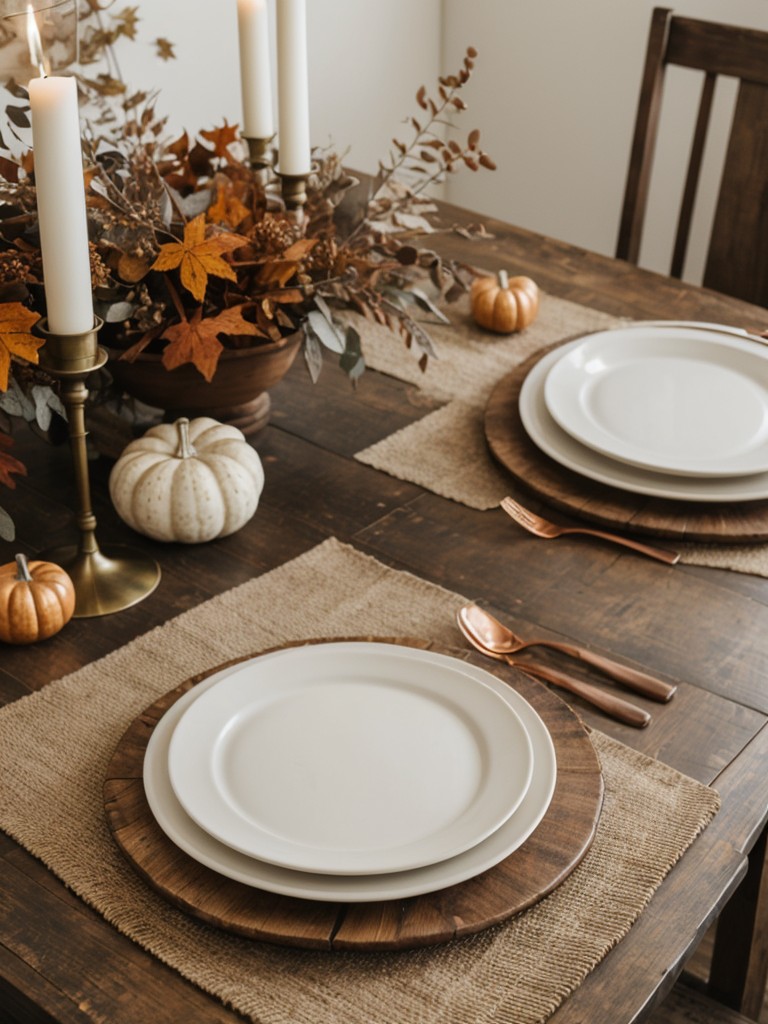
(644, 140)
(736, 263)
(721, 49)
(692, 178)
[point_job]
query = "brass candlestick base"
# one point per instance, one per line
(294, 192)
(105, 581)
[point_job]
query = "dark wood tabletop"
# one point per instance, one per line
(704, 629)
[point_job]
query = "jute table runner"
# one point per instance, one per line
(446, 452)
(55, 746)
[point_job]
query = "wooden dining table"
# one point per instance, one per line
(703, 629)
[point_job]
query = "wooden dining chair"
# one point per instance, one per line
(737, 258)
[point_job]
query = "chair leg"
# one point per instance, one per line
(739, 970)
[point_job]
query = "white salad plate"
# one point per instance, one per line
(559, 445)
(350, 759)
(206, 850)
(669, 398)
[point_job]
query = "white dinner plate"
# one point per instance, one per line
(566, 450)
(350, 759)
(701, 325)
(674, 399)
(202, 847)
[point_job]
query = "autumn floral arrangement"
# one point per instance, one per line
(193, 250)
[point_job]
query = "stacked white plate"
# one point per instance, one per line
(671, 409)
(350, 771)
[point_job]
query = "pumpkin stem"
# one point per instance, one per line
(503, 279)
(186, 449)
(22, 569)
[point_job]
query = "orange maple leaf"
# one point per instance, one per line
(8, 464)
(196, 340)
(227, 209)
(198, 256)
(221, 139)
(15, 339)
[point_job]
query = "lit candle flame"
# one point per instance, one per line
(36, 55)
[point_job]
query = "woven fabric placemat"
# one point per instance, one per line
(55, 746)
(446, 451)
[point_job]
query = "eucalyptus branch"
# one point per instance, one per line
(427, 146)
(425, 135)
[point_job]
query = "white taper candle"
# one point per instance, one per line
(293, 88)
(255, 69)
(61, 204)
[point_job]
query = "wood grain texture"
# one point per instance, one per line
(737, 522)
(704, 629)
(543, 862)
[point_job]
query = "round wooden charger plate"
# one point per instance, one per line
(739, 522)
(536, 868)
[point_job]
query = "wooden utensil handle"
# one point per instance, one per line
(614, 706)
(638, 681)
(668, 557)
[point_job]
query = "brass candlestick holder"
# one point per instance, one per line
(261, 157)
(294, 191)
(260, 153)
(110, 580)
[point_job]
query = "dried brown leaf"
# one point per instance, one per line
(126, 22)
(195, 341)
(227, 209)
(9, 170)
(132, 268)
(300, 249)
(15, 339)
(18, 116)
(197, 257)
(9, 464)
(221, 138)
(164, 49)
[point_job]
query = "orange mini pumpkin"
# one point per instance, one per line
(504, 304)
(36, 600)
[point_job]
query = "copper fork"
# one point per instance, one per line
(544, 528)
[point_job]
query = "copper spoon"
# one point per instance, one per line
(612, 705)
(493, 634)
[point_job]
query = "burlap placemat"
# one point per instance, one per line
(446, 451)
(55, 746)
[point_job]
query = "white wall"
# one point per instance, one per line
(366, 62)
(554, 95)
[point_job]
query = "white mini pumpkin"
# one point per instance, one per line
(187, 481)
